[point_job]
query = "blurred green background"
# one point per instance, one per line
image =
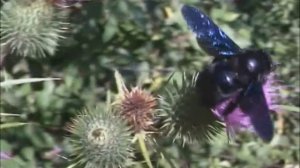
(146, 41)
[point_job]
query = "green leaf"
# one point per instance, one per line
(224, 15)
(11, 125)
(289, 108)
(73, 165)
(120, 83)
(23, 81)
(110, 29)
(9, 115)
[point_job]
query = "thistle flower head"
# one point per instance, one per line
(184, 117)
(31, 27)
(100, 139)
(136, 106)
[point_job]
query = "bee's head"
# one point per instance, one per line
(252, 65)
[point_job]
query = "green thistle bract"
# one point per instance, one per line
(100, 139)
(183, 116)
(31, 28)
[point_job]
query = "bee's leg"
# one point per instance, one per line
(233, 104)
(230, 107)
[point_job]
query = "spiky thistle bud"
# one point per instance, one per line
(136, 106)
(100, 139)
(31, 28)
(183, 116)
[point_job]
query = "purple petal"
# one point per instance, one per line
(5, 155)
(54, 152)
(236, 119)
(271, 89)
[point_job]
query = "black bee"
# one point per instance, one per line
(236, 76)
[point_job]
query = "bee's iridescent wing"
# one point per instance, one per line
(209, 36)
(254, 105)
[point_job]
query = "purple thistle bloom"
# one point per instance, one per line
(5, 155)
(237, 120)
(53, 153)
(68, 3)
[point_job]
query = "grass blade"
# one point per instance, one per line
(22, 81)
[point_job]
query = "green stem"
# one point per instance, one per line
(167, 159)
(144, 150)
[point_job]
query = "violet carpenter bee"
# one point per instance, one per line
(233, 84)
